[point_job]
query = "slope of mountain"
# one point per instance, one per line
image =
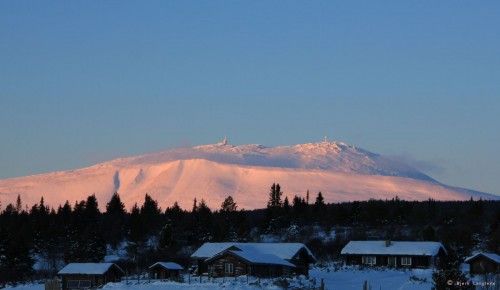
(212, 172)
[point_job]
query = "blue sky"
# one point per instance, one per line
(87, 81)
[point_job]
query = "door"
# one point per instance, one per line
(391, 261)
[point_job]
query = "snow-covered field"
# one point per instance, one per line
(347, 278)
(416, 279)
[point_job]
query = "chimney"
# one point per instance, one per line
(387, 243)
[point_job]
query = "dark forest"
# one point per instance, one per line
(53, 236)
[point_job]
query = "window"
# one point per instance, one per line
(406, 261)
(369, 260)
(228, 268)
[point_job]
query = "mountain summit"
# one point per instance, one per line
(212, 172)
(331, 156)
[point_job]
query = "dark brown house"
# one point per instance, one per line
(483, 263)
(234, 262)
(89, 275)
(394, 254)
(166, 271)
(254, 259)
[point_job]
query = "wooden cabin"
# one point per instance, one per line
(166, 271)
(483, 263)
(394, 254)
(234, 262)
(254, 259)
(89, 275)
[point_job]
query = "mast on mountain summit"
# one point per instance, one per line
(225, 141)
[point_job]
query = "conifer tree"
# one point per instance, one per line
(172, 234)
(228, 229)
(114, 221)
(136, 234)
(19, 204)
(274, 213)
(136, 230)
(275, 196)
(319, 204)
(150, 215)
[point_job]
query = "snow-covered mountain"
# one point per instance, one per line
(212, 172)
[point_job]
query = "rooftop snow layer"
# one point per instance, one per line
(491, 256)
(87, 268)
(168, 265)
(257, 257)
(281, 250)
(396, 248)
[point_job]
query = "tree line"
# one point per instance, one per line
(52, 237)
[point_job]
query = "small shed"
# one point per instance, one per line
(166, 270)
(483, 263)
(89, 275)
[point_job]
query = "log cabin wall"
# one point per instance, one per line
(217, 267)
(482, 265)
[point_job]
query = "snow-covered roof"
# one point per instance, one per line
(491, 256)
(257, 257)
(395, 248)
(168, 265)
(88, 268)
(282, 250)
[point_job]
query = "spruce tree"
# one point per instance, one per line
(275, 196)
(172, 234)
(19, 204)
(274, 212)
(228, 228)
(114, 221)
(136, 234)
(150, 216)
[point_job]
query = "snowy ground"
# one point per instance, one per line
(343, 279)
(347, 278)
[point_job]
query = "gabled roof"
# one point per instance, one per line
(254, 257)
(88, 268)
(168, 265)
(396, 248)
(285, 251)
(493, 257)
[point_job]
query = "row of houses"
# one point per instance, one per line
(277, 260)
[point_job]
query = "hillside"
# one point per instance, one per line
(212, 172)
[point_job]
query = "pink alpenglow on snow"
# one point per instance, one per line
(212, 172)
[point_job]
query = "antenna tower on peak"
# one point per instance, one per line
(326, 139)
(225, 141)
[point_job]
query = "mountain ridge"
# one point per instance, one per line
(212, 172)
